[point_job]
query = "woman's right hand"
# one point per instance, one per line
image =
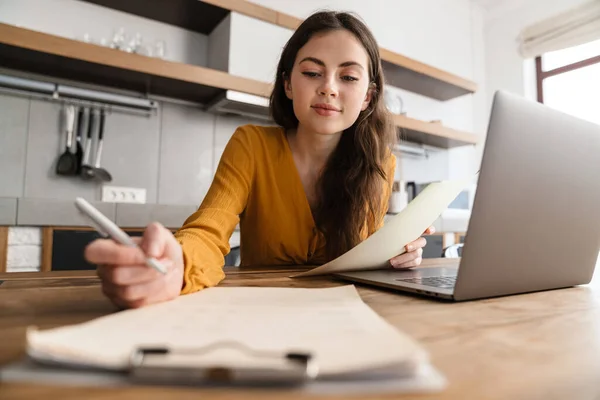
(126, 280)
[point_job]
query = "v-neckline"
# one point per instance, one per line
(296, 174)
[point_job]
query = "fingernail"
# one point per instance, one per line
(409, 248)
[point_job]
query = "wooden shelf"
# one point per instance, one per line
(417, 77)
(432, 134)
(55, 56)
(203, 15)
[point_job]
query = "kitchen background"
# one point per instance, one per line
(172, 153)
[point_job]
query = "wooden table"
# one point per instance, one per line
(536, 346)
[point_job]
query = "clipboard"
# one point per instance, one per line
(185, 366)
(284, 344)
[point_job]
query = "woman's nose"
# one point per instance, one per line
(328, 89)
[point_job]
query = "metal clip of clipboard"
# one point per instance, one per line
(185, 366)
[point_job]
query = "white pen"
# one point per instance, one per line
(107, 228)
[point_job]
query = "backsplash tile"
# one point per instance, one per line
(47, 139)
(172, 154)
(225, 126)
(186, 155)
(8, 211)
(13, 144)
(131, 149)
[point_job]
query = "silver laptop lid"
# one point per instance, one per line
(536, 215)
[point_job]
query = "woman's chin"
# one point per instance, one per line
(326, 127)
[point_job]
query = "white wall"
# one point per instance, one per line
(505, 68)
(443, 33)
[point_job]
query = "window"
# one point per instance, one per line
(569, 80)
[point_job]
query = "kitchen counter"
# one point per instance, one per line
(52, 212)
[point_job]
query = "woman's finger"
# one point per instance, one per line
(129, 274)
(129, 294)
(107, 251)
(417, 244)
(152, 292)
(155, 240)
(402, 259)
(412, 264)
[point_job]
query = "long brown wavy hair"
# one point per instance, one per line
(350, 188)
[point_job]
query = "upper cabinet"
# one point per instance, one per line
(247, 47)
(203, 16)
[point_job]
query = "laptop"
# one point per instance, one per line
(535, 220)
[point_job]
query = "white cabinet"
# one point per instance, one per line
(247, 47)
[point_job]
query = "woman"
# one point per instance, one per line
(304, 192)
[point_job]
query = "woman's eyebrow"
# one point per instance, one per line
(321, 63)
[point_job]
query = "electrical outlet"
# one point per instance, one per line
(118, 194)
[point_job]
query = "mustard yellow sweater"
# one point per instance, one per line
(256, 185)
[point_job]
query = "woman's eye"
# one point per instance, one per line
(349, 78)
(311, 74)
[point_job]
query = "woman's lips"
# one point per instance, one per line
(325, 110)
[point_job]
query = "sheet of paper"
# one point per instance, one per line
(390, 241)
(333, 324)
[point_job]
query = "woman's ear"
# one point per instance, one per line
(287, 86)
(368, 97)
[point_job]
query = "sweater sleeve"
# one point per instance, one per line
(204, 236)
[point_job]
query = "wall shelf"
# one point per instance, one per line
(54, 56)
(41, 53)
(417, 77)
(203, 15)
(432, 133)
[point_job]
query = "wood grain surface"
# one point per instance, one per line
(542, 345)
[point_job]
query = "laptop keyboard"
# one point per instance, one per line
(443, 282)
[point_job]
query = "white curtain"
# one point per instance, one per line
(574, 27)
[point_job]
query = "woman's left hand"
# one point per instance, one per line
(414, 252)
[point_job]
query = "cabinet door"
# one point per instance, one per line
(255, 47)
(68, 247)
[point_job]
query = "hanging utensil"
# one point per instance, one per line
(87, 170)
(67, 162)
(79, 147)
(101, 173)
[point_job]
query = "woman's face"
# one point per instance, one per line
(329, 84)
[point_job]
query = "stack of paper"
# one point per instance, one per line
(345, 336)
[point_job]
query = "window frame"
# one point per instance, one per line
(541, 74)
